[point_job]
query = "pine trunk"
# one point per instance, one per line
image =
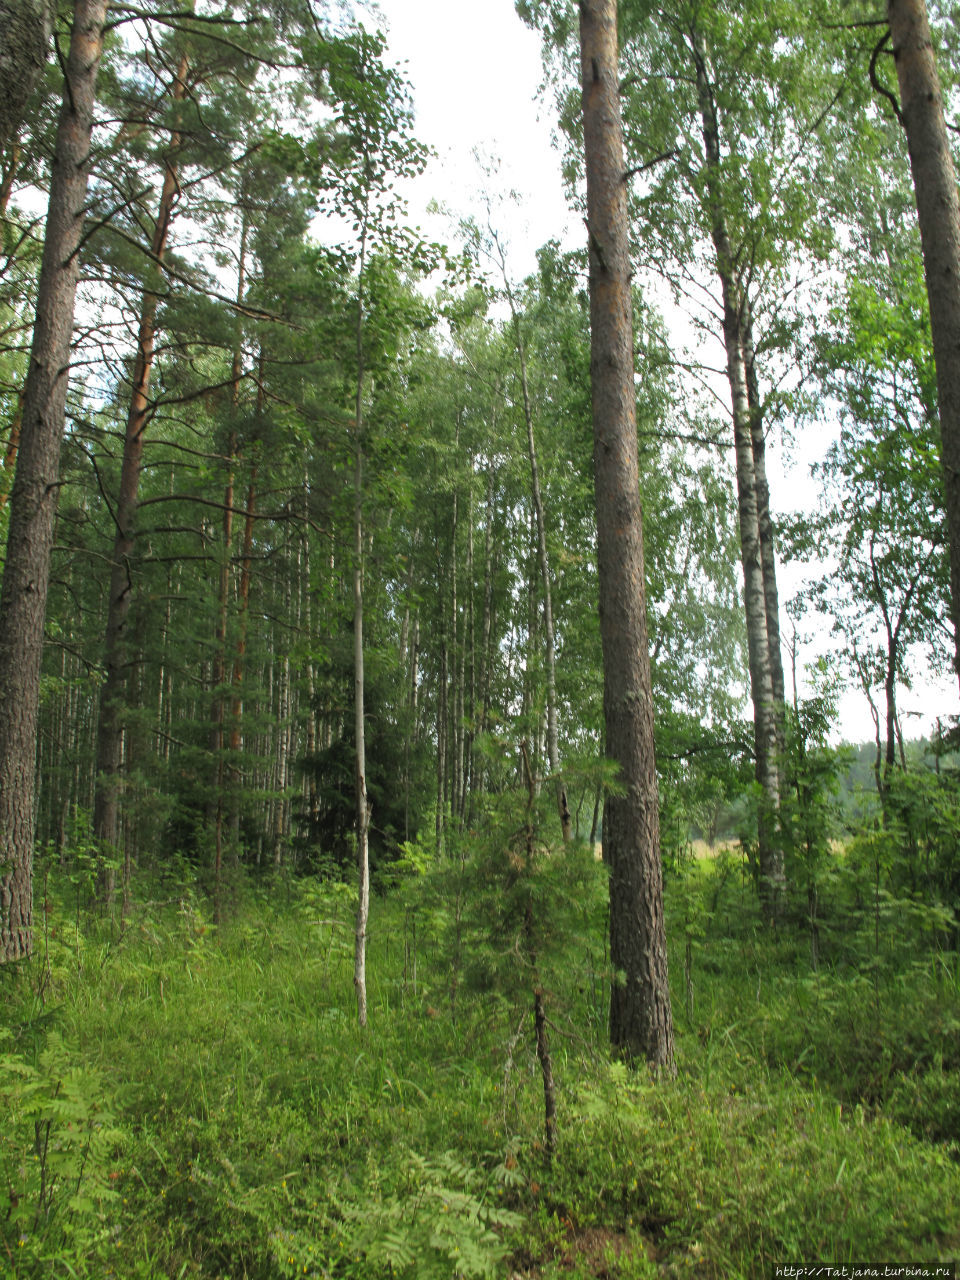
(25, 30)
(938, 209)
(641, 1020)
(34, 498)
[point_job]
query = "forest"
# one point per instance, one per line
(428, 843)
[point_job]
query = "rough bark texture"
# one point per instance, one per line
(25, 30)
(938, 209)
(765, 718)
(34, 498)
(641, 1020)
(106, 811)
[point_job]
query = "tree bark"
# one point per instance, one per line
(641, 1020)
(34, 497)
(25, 30)
(362, 803)
(938, 210)
(768, 556)
(106, 811)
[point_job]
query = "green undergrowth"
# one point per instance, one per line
(876, 1023)
(185, 1101)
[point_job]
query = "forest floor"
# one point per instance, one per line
(185, 1101)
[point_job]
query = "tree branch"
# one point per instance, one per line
(642, 168)
(875, 79)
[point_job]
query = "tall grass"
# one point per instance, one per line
(215, 1110)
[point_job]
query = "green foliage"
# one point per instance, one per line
(923, 815)
(217, 1084)
(58, 1161)
(730, 1176)
(434, 1217)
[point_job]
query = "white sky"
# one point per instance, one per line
(475, 70)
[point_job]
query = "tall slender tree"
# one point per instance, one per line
(758, 571)
(641, 1020)
(938, 208)
(36, 484)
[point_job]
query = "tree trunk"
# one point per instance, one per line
(772, 877)
(539, 997)
(25, 30)
(220, 662)
(362, 803)
(218, 736)
(454, 731)
(938, 209)
(890, 700)
(768, 556)
(10, 453)
(34, 497)
(363, 807)
(553, 745)
(284, 732)
(641, 1020)
(106, 811)
(239, 657)
(469, 660)
(486, 661)
(442, 723)
(311, 794)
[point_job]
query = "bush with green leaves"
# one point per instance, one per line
(728, 1179)
(264, 1135)
(59, 1160)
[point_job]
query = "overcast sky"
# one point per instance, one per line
(475, 69)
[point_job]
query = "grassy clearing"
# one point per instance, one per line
(182, 1102)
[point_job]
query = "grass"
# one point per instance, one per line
(212, 1109)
